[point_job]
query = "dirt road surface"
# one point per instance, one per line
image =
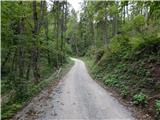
(77, 96)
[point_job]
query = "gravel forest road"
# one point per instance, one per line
(77, 96)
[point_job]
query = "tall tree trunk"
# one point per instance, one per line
(21, 50)
(28, 68)
(47, 38)
(65, 22)
(57, 32)
(106, 27)
(57, 42)
(42, 8)
(76, 42)
(14, 63)
(35, 18)
(124, 14)
(114, 24)
(62, 29)
(92, 32)
(127, 11)
(6, 58)
(35, 50)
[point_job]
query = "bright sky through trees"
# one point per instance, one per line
(75, 4)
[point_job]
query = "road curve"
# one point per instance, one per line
(78, 96)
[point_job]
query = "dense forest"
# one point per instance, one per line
(33, 46)
(119, 40)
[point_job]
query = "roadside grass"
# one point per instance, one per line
(9, 108)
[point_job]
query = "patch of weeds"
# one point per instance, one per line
(140, 99)
(121, 66)
(157, 106)
(111, 80)
(124, 90)
(9, 110)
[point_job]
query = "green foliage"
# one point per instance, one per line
(127, 27)
(140, 99)
(138, 21)
(111, 80)
(119, 43)
(9, 110)
(158, 105)
(124, 90)
(113, 9)
(136, 42)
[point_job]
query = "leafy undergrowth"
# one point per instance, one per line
(13, 104)
(135, 74)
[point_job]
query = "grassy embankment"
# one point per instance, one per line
(134, 72)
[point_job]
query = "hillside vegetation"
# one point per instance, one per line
(133, 74)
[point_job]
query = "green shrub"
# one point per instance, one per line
(9, 110)
(158, 105)
(127, 27)
(124, 90)
(140, 99)
(111, 80)
(136, 42)
(138, 21)
(118, 44)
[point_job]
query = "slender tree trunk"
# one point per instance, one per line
(6, 58)
(106, 35)
(92, 32)
(28, 68)
(106, 27)
(65, 21)
(14, 65)
(37, 26)
(35, 18)
(35, 50)
(62, 29)
(21, 50)
(57, 43)
(46, 33)
(57, 38)
(127, 11)
(77, 52)
(124, 14)
(114, 25)
(41, 20)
